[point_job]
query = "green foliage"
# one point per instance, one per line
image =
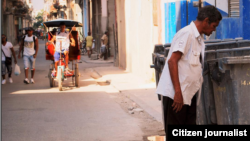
(39, 19)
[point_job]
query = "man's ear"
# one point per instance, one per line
(206, 21)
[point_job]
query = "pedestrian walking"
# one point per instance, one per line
(7, 51)
(104, 41)
(89, 43)
(181, 79)
(29, 48)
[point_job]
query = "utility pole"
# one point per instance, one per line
(199, 5)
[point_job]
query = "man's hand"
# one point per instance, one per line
(178, 102)
(15, 61)
(34, 55)
(19, 56)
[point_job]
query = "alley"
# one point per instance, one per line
(90, 113)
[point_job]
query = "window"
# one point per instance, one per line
(234, 8)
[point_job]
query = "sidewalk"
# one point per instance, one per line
(135, 88)
(86, 59)
(16, 48)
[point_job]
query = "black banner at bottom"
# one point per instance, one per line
(208, 132)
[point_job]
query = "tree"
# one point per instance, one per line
(39, 19)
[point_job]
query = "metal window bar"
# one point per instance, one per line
(234, 8)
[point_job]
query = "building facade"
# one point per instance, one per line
(135, 26)
(142, 24)
(16, 14)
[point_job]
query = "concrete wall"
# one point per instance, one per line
(8, 28)
(97, 24)
(111, 22)
(121, 28)
(102, 19)
(85, 18)
(137, 36)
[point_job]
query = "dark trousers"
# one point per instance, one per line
(186, 116)
(105, 55)
(8, 67)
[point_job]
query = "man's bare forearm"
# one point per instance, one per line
(72, 43)
(37, 46)
(13, 53)
(173, 69)
(20, 49)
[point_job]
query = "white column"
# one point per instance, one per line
(104, 15)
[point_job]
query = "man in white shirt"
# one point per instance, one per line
(29, 47)
(65, 38)
(182, 76)
(7, 50)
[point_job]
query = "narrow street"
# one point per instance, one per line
(36, 112)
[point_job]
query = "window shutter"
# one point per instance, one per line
(234, 8)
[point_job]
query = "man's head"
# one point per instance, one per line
(89, 33)
(62, 26)
(209, 16)
(4, 38)
(30, 31)
(106, 32)
(53, 32)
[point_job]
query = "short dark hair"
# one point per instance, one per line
(5, 36)
(106, 32)
(210, 12)
(54, 29)
(62, 23)
(30, 28)
(89, 33)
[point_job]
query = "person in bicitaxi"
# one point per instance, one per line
(65, 39)
(7, 51)
(29, 48)
(181, 79)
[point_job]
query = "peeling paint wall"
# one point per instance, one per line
(229, 28)
(245, 8)
(232, 27)
(176, 14)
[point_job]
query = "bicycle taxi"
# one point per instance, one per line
(74, 54)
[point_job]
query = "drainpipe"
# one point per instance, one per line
(199, 4)
(116, 41)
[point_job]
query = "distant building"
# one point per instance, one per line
(16, 14)
(65, 9)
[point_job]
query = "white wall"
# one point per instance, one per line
(139, 36)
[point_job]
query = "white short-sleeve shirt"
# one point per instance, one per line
(6, 50)
(188, 41)
(29, 45)
(64, 37)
